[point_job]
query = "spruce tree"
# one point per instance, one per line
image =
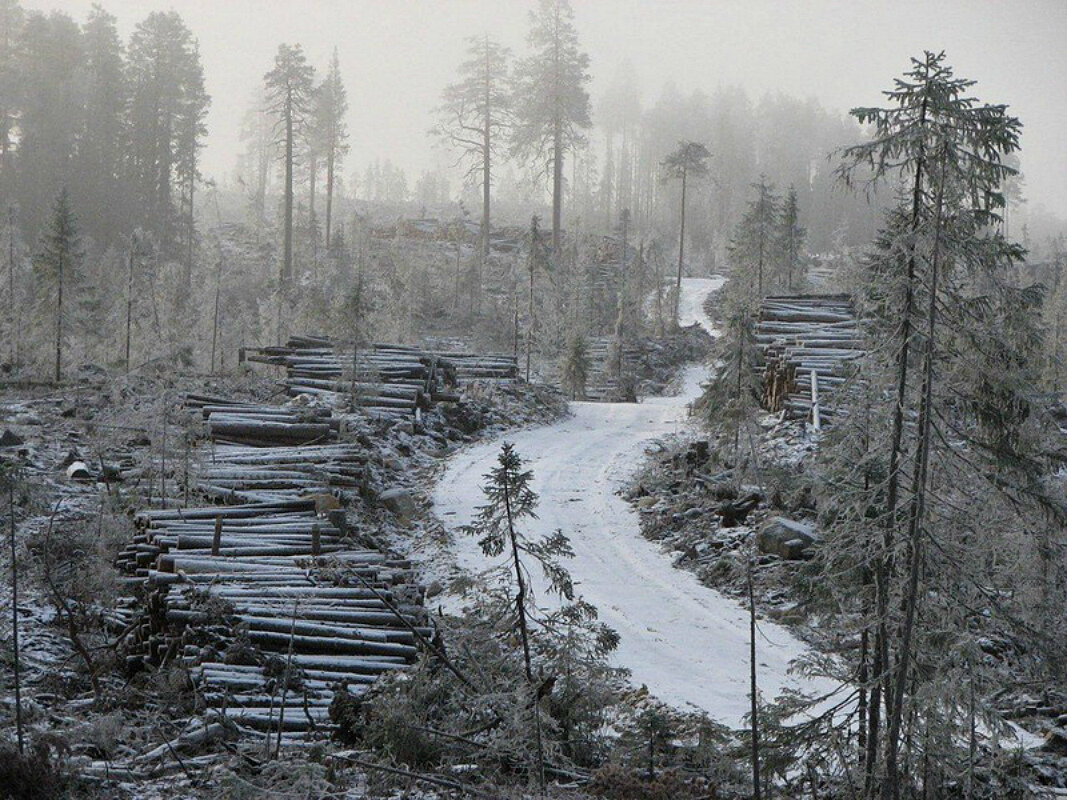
(756, 238)
(574, 367)
(167, 108)
(509, 500)
(938, 257)
(56, 265)
(331, 106)
(790, 239)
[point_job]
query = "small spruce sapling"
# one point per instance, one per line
(509, 500)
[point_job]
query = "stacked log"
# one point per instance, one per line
(807, 347)
(389, 378)
(272, 604)
(290, 583)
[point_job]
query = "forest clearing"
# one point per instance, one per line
(533, 399)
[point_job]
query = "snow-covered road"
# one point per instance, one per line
(687, 643)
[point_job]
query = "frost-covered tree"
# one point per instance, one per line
(938, 279)
(56, 267)
(688, 160)
(552, 104)
(289, 88)
(755, 241)
(333, 105)
(574, 367)
(790, 239)
(509, 500)
(475, 116)
(167, 108)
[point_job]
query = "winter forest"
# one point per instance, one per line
(533, 399)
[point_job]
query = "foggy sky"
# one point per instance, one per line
(396, 55)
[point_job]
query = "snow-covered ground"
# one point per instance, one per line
(687, 643)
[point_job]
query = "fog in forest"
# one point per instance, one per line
(574, 399)
(396, 54)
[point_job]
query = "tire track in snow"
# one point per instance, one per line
(687, 643)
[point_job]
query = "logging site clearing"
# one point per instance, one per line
(533, 400)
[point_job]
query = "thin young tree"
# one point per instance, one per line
(56, 264)
(574, 367)
(552, 104)
(9, 479)
(289, 87)
(497, 524)
(755, 240)
(688, 160)
(474, 119)
(14, 310)
(791, 237)
(536, 258)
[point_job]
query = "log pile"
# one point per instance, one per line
(602, 385)
(388, 378)
(255, 425)
(269, 598)
(807, 345)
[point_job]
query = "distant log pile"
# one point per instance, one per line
(270, 600)
(807, 346)
(603, 384)
(388, 378)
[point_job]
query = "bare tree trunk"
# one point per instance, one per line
(681, 251)
(129, 303)
(557, 186)
(530, 321)
(13, 333)
(215, 321)
(313, 169)
(163, 459)
(752, 680)
(15, 611)
(520, 608)
(920, 472)
(885, 566)
(190, 234)
(487, 176)
(287, 266)
(762, 236)
(59, 320)
(330, 156)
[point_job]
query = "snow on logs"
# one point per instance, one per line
(269, 598)
(285, 581)
(806, 344)
(389, 378)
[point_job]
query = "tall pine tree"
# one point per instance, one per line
(553, 104)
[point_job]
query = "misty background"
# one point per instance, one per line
(397, 56)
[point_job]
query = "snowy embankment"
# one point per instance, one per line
(687, 643)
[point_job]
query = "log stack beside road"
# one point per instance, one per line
(808, 346)
(271, 598)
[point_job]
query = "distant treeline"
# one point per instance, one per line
(118, 124)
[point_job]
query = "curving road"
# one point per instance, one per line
(688, 644)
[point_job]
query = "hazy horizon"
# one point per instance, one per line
(397, 56)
